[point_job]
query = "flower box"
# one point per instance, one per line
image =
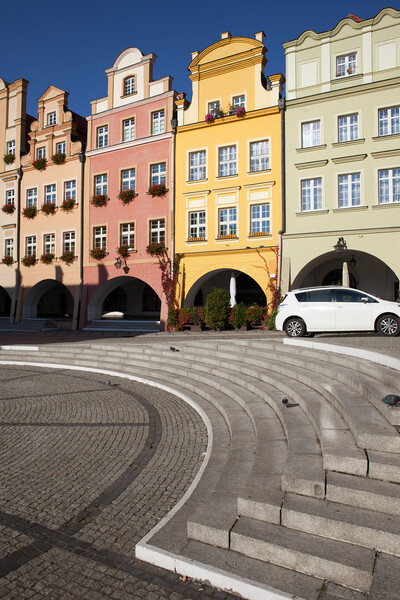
(59, 158)
(40, 164)
(8, 208)
(8, 260)
(30, 212)
(156, 249)
(98, 253)
(9, 158)
(258, 233)
(68, 257)
(127, 196)
(240, 111)
(157, 190)
(29, 261)
(123, 251)
(196, 239)
(230, 236)
(99, 200)
(68, 205)
(209, 118)
(47, 258)
(48, 208)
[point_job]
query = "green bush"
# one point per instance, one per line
(217, 309)
(199, 315)
(271, 320)
(173, 316)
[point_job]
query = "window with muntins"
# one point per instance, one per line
(311, 194)
(50, 194)
(70, 190)
(311, 134)
(227, 222)
(348, 128)
(346, 65)
(157, 122)
(69, 241)
(11, 147)
(238, 101)
(41, 152)
(100, 183)
(102, 136)
(389, 121)
(49, 243)
(157, 231)
(197, 165)
(227, 161)
(259, 156)
(260, 215)
(100, 237)
(60, 148)
(52, 118)
(389, 186)
(129, 86)
(349, 190)
(214, 107)
(9, 247)
(30, 245)
(127, 235)
(31, 197)
(128, 179)
(10, 197)
(129, 130)
(158, 174)
(197, 224)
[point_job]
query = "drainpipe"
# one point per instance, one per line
(174, 123)
(17, 252)
(82, 159)
(282, 107)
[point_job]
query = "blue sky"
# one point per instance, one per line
(70, 44)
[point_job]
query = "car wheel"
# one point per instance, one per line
(295, 327)
(388, 325)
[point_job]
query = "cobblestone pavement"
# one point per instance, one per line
(87, 469)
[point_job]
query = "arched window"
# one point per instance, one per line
(129, 85)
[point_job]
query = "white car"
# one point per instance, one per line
(307, 311)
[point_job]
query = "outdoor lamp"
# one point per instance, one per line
(340, 245)
(118, 263)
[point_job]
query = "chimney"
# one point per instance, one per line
(260, 36)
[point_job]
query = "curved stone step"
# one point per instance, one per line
(363, 492)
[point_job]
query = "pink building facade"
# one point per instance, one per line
(129, 150)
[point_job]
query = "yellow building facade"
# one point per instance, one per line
(228, 200)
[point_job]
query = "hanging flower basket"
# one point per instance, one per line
(99, 200)
(68, 257)
(68, 205)
(8, 260)
(9, 158)
(30, 212)
(29, 261)
(158, 189)
(58, 158)
(123, 251)
(127, 196)
(156, 249)
(240, 111)
(48, 208)
(8, 208)
(98, 253)
(40, 164)
(47, 258)
(209, 118)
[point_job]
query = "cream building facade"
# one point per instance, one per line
(343, 156)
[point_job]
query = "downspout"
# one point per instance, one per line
(282, 106)
(172, 194)
(17, 252)
(82, 159)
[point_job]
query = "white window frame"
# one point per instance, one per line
(228, 221)
(214, 107)
(389, 186)
(311, 133)
(389, 123)
(197, 224)
(315, 200)
(157, 231)
(51, 118)
(129, 85)
(49, 243)
(100, 237)
(70, 190)
(11, 147)
(259, 156)
(102, 136)
(261, 222)
(158, 174)
(198, 165)
(127, 235)
(227, 161)
(41, 152)
(346, 65)
(101, 184)
(60, 148)
(31, 197)
(348, 128)
(129, 129)
(50, 194)
(239, 100)
(10, 196)
(69, 241)
(30, 245)
(9, 247)
(349, 190)
(158, 122)
(128, 179)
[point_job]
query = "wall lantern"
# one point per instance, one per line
(118, 262)
(340, 245)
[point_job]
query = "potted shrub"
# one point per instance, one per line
(99, 200)
(59, 158)
(68, 205)
(156, 249)
(8, 208)
(217, 309)
(127, 196)
(29, 261)
(9, 158)
(47, 258)
(40, 164)
(123, 251)
(98, 253)
(8, 260)
(158, 189)
(30, 212)
(48, 208)
(68, 257)
(240, 111)
(209, 118)
(237, 316)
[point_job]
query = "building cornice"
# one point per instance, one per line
(133, 144)
(264, 112)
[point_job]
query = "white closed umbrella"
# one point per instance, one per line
(232, 289)
(345, 275)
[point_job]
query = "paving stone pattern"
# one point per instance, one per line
(87, 469)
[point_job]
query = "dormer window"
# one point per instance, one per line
(129, 86)
(346, 65)
(51, 118)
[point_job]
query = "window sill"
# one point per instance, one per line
(311, 148)
(389, 136)
(194, 239)
(348, 143)
(346, 159)
(127, 95)
(224, 177)
(191, 181)
(260, 172)
(385, 205)
(351, 208)
(304, 213)
(259, 234)
(347, 76)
